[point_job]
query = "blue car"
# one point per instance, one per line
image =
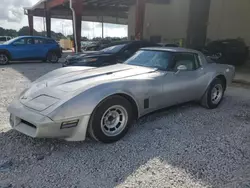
(30, 48)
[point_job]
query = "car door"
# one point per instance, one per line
(19, 49)
(40, 47)
(181, 86)
(23, 49)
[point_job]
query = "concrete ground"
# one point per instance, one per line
(183, 146)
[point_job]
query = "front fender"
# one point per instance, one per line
(85, 102)
(6, 52)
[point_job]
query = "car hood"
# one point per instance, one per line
(87, 54)
(69, 82)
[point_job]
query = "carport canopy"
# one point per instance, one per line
(116, 12)
(105, 11)
(112, 11)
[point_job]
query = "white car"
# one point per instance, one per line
(4, 39)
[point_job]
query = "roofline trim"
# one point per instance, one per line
(35, 5)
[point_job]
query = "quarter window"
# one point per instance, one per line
(197, 61)
(38, 41)
(50, 41)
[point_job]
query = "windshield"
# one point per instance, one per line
(113, 49)
(148, 58)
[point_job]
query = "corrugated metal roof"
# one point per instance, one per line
(97, 3)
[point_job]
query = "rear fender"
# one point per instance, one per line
(212, 78)
(228, 71)
(57, 51)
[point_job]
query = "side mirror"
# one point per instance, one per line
(182, 68)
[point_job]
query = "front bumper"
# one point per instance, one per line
(31, 123)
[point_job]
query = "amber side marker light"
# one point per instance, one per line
(69, 124)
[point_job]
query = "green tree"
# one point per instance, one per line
(26, 31)
(8, 32)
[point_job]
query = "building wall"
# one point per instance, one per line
(166, 20)
(229, 19)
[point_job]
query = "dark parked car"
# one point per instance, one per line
(230, 51)
(30, 48)
(94, 46)
(117, 52)
(169, 45)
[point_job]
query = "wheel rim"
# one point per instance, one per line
(3, 59)
(54, 58)
(216, 94)
(114, 120)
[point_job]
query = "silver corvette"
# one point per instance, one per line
(72, 102)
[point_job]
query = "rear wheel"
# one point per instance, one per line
(4, 59)
(214, 95)
(52, 57)
(110, 121)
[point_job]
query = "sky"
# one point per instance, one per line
(12, 17)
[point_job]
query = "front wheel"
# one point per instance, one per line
(110, 121)
(52, 57)
(4, 59)
(214, 95)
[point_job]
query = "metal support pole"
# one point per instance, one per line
(76, 8)
(198, 22)
(102, 28)
(140, 14)
(48, 23)
(31, 23)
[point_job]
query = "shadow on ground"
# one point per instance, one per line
(31, 70)
(184, 146)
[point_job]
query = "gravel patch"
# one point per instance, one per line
(182, 146)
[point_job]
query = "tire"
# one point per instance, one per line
(52, 57)
(214, 94)
(4, 59)
(111, 120)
